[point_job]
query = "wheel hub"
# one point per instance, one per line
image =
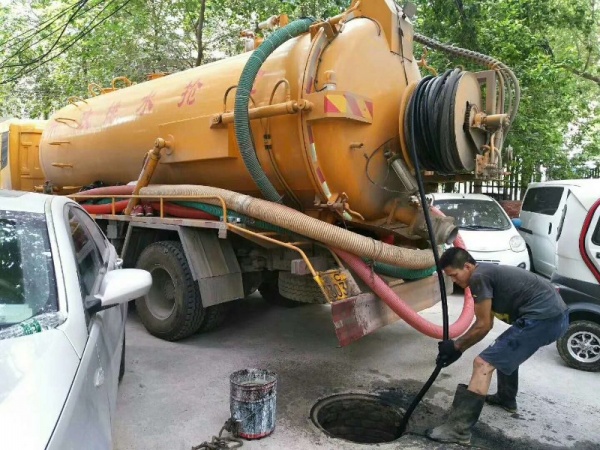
(585, 347)
(161, 298)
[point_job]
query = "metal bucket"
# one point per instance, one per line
(253, 402)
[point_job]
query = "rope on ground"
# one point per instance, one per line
(221, 442)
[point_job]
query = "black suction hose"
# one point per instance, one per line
(438, 367)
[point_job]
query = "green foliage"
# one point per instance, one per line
(143, 37)
(548, 44)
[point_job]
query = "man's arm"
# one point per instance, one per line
(484, 319)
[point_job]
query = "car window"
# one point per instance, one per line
(87, 255)
(596, 235)
(96, 233)
(475, 214)
(27, 278)
(543, 200)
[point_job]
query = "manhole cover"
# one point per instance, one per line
(361, 418)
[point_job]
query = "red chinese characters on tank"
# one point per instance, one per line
(188, 96)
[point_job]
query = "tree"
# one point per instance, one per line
(62, 47)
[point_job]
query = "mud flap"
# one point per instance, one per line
(360, 315)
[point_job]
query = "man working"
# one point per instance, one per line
(538, 317)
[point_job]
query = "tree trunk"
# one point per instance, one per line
(199, 28)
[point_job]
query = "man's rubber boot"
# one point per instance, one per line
(465, 412)
(506, 397)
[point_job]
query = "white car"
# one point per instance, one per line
(543, 214)
(58, 284)
(488, 232)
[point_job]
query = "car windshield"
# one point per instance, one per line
(27, 279)
(475, 214)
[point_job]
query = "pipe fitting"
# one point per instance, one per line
(444, 230)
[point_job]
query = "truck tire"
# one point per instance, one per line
(269, 290)
(579, 347)
(214, 316)
(172, 310)
(300, 288)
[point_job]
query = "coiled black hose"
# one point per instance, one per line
(504, 72)
(429, 122)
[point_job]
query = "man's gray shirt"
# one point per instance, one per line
(515, 293)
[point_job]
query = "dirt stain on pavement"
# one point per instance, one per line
(427, 416)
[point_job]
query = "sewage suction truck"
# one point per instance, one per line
(293, 169)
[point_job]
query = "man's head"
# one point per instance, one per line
(459, 265)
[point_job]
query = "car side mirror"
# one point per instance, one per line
(121, 286)
(517, 222)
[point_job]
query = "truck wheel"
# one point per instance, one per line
(269, 290)
(214, 316)
(172, 310)
(300, 288)
(580, 346)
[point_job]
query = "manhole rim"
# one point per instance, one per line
(327, 400)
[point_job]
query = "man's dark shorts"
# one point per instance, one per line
(523, 339)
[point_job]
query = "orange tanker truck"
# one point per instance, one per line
(292, 169)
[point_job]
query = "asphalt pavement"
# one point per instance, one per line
(175, 395)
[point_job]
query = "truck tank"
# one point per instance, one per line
(327, 113)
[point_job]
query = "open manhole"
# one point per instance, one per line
(361, 418)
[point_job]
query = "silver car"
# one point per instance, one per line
(62, 324)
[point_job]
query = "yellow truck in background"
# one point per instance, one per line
(20, 154)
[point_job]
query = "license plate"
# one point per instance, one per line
(337, 285)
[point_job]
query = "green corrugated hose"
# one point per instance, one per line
(243, 133)
(381, 268)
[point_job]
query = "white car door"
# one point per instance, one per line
(111, 321)
(85, 420)
(543, 208)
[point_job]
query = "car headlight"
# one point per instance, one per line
(517, 244)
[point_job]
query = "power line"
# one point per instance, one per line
(37, 29)
(62, 32)
(28, 44)
(69, 44)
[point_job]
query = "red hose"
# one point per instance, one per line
(106, 208)
(169, 208)
(401, 308)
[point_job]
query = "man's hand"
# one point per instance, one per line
(448, 353)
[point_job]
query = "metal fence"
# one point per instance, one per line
(512, 187)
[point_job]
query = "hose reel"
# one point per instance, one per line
(443, 118)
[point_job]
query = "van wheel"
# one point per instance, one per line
(172, 309)
(579, 347)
